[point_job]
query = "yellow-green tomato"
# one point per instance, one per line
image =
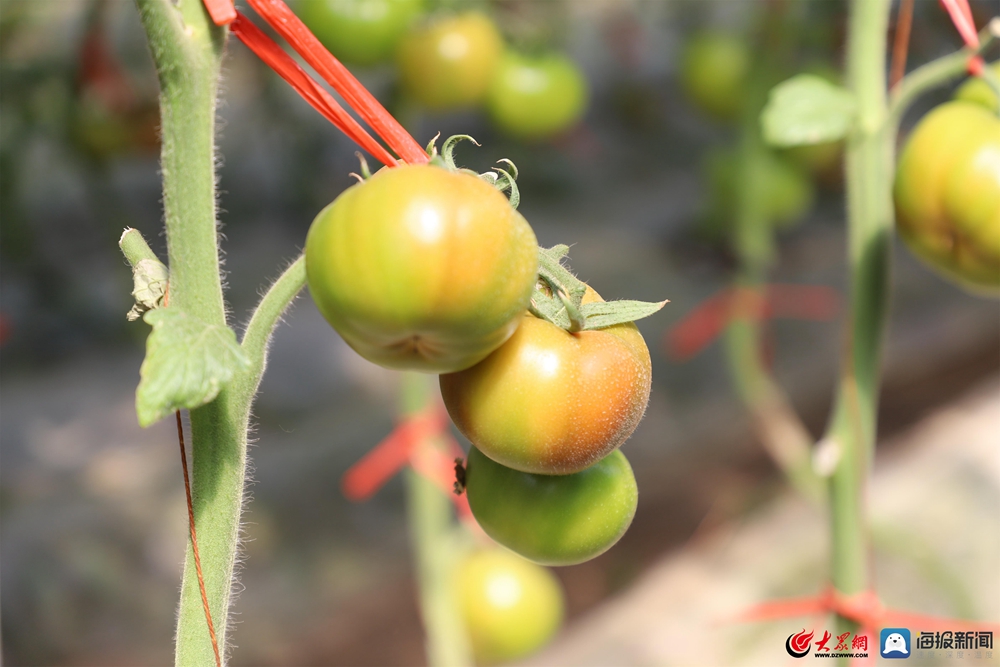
(714, 69)
(533, 97)
(422, 268)
(553, 519)
(976, 90)
(450, 62)
(553, 402)
(511, 606)
(947, 193)
(360, 32)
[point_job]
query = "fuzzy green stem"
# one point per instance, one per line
(435, 548)
(268, 312)
(777, 425)
(187, 51)
(869, 164)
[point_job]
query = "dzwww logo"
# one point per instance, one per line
(798, 643)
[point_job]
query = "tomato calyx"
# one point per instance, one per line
(504, 180)
(558, 298)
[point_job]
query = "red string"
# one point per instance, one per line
(277, 14)
(411, 443)
(276, 58)
(865, 609)
(706, 322)
(961, 16)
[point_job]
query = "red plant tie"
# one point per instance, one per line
(222, 12)
(961, 16)
(865, 609)
(277, 14)
(705, 323)
(276, 58)
(410, 444)
(367, 476)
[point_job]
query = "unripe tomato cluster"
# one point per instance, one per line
(454, 61)
(511, 607)
(430, 268)
(947, 192)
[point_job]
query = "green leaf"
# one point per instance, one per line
(807, 109)
(149, 280)
(601, 314)
(187, 362)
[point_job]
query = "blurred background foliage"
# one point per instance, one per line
(92, 508)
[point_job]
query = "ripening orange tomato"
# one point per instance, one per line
(422, 268)
(553, 402)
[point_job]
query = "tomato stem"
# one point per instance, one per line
(437, 546)
(936, 73)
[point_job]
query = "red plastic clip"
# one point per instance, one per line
(222, 12)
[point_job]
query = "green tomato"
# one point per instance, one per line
(511, 607)
(977, 91)
(360, 32)
(422, 268)
(553, 519)
(947, 193)
(552, 402)
(449, 63)
(533, 97)
(714, 69)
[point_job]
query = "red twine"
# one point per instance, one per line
(961, 16)
(865, 609)
(413, 442)
(705, 323)
(273, 55)
(277, 14)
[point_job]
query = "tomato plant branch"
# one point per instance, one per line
(869, 165)
(187, 52)
(434, 536)
(268, 312)
(775, 421)
(937, 73)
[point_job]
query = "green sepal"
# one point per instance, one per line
(558, 298)
(187, 363)
(149, 281)
(602, 314)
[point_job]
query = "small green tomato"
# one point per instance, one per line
(534, 97)
(511, 606)
(553, 519)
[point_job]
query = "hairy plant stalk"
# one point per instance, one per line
(869, 164)
(435, 541)
(187, 51)
(775, 421)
